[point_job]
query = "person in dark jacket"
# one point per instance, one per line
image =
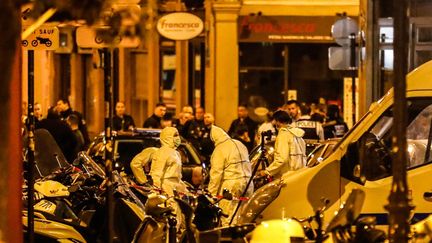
(335, 127)
(73, 122)
(154, 121)
(61, 132)
(122, 121)
(243, 119)
(65, 109)
(195, 128)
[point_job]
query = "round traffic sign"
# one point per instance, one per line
(342, 29)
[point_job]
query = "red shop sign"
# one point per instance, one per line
(262, 28)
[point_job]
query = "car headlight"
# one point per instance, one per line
(259, 201)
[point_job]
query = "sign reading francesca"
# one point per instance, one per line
(180, 26)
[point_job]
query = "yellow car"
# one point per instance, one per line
(360, 160)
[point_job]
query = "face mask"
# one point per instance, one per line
(177, 141)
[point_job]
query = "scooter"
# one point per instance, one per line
(128, 209)
(205, 226)
(201, 215)
(339, 229)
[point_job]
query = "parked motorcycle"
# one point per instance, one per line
(202, 220)
(338, 230)
(71, 200)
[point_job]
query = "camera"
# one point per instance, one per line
(267, 134)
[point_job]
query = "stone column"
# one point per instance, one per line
(181, 76)
(152, 58)
(225, 59)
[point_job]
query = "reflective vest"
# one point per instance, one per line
(310, 128)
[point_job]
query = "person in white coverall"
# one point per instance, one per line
(166, 168)
(282, 161)
(230, 169)
(140, 161)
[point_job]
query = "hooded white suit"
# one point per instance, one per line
(281, 162)
(140, 161)
(166, 168)
(230, 169)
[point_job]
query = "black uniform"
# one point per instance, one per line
(81, 124)
(311, 135)
(152, 122)
(123, 123)
(62, 134)
(239, 124)
(335, 129)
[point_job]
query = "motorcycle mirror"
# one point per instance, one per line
(73, 188)
(226, 194)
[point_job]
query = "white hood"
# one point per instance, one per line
(298, 132)
(167, 136)
(218, 135)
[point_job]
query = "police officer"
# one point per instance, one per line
(314, 132)
(335, 127)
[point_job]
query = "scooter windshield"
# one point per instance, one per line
(48, 156)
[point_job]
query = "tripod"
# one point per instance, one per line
(262, 160)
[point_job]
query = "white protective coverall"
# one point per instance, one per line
(230, 169)
(281, 162)
(166, 168)
(140, 161)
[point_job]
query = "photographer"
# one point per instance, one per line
(267, 126)
(287, 141)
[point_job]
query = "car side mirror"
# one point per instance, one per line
(357, 173)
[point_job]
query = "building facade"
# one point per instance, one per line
(255, 52)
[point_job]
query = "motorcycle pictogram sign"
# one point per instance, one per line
(43, 38)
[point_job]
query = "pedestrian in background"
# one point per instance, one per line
(167, 120)
(181, 123)
(63, 106)
(292, 107)
(61, 133)
(242, 121)
(314, 132)
(122, 121)
(73, 122)
(207, 145)
(267, 125)
(195, 129)
(335, 127)
(154, 121)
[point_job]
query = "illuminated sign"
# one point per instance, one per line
(285, 28)
(180, 26)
